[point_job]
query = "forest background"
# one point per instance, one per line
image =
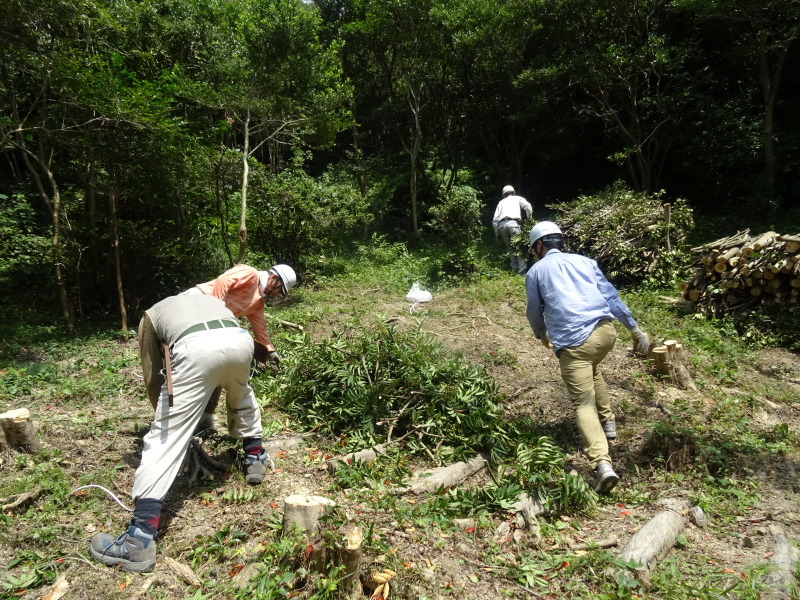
(147, 145)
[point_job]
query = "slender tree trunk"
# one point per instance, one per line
(245, 180)
(361, 178)
(769, 88)
(220, 173)
(53, 204)
(112, 209)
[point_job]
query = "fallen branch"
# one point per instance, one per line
(20, 499)
(445, 477)
(784, 556)
(183, 572)
(610, 542)
(286, 323)
(657, 536)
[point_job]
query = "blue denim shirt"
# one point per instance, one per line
(567, 295)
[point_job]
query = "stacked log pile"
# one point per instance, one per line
(744, 272)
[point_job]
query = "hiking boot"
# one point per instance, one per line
(604, 478)
(610, 429)
(255, 467)
(134, 550)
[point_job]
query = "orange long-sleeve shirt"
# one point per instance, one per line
(238, 289)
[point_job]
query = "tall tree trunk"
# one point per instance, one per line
(112, 209)
(360, 177)
(769, 88)
(220, 173)
(245, 180)
(53, 203)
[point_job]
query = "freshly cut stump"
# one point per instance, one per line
(20, 433)
(304, 512)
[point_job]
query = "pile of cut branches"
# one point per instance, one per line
(742, 273)
(384, 385)
(635, 237)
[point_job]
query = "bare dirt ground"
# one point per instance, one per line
(432, 562)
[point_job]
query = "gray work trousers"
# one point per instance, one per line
(507, 229)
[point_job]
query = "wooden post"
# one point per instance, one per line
(19, 431)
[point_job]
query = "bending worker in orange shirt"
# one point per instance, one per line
(243, 290)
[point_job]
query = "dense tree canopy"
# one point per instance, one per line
(150, 144)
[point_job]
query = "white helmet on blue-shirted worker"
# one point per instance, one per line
(509, 189)
(543, 229)
(287, 276)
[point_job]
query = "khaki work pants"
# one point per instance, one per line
(587, 389)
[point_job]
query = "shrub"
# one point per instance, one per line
(626, 232)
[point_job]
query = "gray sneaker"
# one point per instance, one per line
(610, 429)
(255, 467)
(604, 478)
(134, 550)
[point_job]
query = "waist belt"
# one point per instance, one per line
(517, 221)
(215, 324)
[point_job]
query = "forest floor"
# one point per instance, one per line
(216, 528)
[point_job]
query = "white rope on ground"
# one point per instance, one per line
(107, 491)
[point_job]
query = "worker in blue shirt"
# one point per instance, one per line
(571, 306)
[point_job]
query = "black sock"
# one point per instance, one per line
(252, 445)
(147, 515)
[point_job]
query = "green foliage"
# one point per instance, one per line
(298, 219)
(22, 243)
(626, 232)
(359, 385)
(455, 223)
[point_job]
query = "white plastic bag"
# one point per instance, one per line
(415, 294)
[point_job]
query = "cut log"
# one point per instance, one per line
(780, 580)
(348, 555)
(445, 477)
(362, 456)
(20, 433)
(658, 535)
(670, 362)
(304, 512)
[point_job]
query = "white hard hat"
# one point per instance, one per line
(287, 275)
(543, 228)
(509, 189)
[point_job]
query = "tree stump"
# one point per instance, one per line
(19, 431)
(670, 361)
(304, 512)
(348, 555)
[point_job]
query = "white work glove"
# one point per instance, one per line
(641, 343)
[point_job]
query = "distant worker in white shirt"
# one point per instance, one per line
(507, 222)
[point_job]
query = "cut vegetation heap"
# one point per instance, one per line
(386, 388)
